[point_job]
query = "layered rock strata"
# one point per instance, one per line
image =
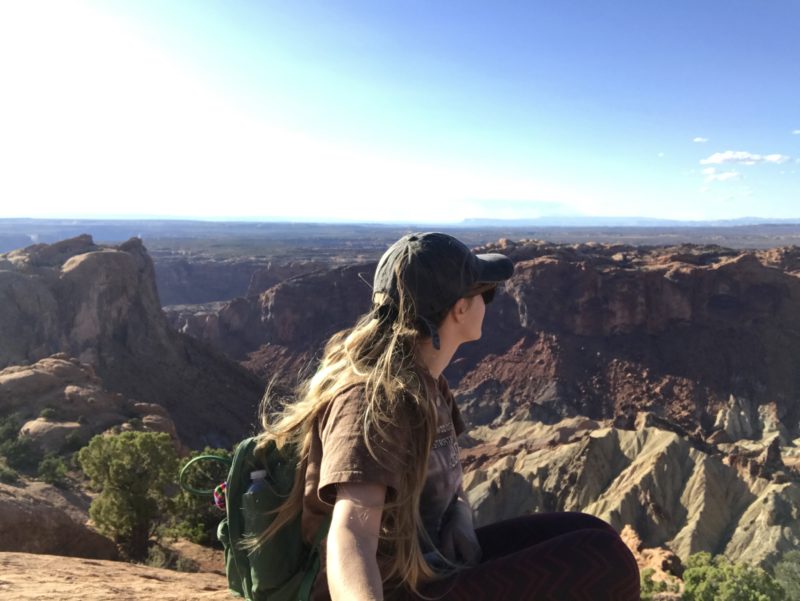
(602, 331)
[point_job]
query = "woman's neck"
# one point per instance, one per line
(435, 360)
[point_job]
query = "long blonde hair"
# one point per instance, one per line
(378, 353)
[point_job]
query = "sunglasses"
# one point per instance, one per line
(487, 291)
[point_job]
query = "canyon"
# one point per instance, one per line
(653, 386)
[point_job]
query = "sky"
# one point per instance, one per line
(412, 111)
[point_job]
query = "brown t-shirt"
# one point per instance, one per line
(339, 455)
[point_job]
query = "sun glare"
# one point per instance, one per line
(99, 120)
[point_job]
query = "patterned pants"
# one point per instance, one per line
(545, 557)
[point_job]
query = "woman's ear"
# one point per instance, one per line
(460, 309)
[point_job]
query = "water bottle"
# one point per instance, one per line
(258, 481)
(253, 509)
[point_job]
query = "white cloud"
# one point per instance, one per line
(796, 132)
(713, 176)
(741, 157)
(660, 155)
(700, 140)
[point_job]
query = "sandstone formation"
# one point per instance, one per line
(39, 518)
(665, 564)
(79, 406)
(685, 496)
(25, 576)
(99, 304)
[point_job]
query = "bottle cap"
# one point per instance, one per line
(258, 475)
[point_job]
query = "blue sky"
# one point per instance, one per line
(411, 111)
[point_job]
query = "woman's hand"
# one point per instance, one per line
(352, 547)
(457, 540)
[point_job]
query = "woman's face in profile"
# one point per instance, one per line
(473, 317)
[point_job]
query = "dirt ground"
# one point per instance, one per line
(26, 576)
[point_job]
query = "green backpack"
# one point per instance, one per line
(283, 568)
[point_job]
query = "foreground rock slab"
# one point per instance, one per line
(29, 576)
(38, 518)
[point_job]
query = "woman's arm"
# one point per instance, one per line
(352, 564)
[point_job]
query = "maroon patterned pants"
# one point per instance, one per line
(545, 557)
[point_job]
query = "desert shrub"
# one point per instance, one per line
(787, 574)
(72, 442)
(650, 588)
(21, 453)
(159, 556)
(136, 423)
(196, 517)
(48, 413)
(184, 564)
(53, 470)
(717, 579)
(8, 475)
(9, 427)
(133, 471)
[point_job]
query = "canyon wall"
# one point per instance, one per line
(602, 331)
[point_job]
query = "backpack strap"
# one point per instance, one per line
(235, 521)
(312, 565)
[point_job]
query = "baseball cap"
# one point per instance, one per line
(439, 271)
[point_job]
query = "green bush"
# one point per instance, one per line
(9, 427)
(651, 587)
(72, 442)
(196, 517)
(716, 579)
(48, 413)
(53, 470)
(133, 471)
(787, 573)
(21, 453)
(8, 475)
(162, 557)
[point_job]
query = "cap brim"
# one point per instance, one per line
(494, 267)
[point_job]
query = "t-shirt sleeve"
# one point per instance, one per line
(345, 455)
